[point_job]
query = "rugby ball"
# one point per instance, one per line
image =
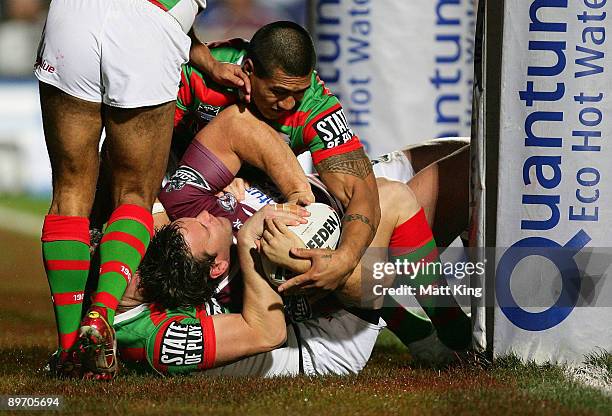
(321, 231)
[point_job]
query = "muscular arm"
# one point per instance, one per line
(261, 326)
(223, 73)
(236, 135)
(349, 178)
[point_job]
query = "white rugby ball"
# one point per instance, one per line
(321, 231)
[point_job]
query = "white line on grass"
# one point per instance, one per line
(592, 376)
(20, 222)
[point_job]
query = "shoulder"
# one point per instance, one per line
(230, 50)
(318, 101)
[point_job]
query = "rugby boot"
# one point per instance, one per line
(98, 345)
(430, 351)
(65, 364)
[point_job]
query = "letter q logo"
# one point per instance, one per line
(563, 258)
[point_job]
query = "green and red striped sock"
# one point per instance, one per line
(125, 241)
(65, 246)
(407, 326)
(413, 242)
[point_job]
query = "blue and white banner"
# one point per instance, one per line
(554, 222)
(402, 69)
(24, 163)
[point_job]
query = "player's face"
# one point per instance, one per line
(278, 95)
(207, 235)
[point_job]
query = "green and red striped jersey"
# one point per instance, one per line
(173, 341)
(318, 124)
(166, 5)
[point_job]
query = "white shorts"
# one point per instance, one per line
(340, 343)
(124, 53)
(395, 166)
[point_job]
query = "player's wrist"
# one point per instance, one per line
(347, 259)
(245, 241)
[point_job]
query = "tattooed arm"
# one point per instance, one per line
(349, 178)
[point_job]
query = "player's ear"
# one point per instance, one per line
(218, 268)
(248, 66)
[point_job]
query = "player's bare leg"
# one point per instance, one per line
(404, 229)
(72, 131)
(442, 189)
(138, 145)
(138, 142)
(397, 205)
(394, 194)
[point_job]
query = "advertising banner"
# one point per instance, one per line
(554, 213)
(24, 164)
(402, 69)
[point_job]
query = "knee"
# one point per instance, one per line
(135, 193)
(396, 198)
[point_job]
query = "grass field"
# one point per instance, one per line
(391, 383)
(23, 203)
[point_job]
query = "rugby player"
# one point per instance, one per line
(287, 94)
(339, 342)
(187, 331)
(167, 283)
(216, 166)
(113, 65)
(200, 100)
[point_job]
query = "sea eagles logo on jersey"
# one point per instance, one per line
(207, 112)
(227, 202)
(182, 344)
(186, 175)
(333, 129)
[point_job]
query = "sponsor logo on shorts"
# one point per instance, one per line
(44, 65)
(207, 112)
(186, 175)
(382, 159)
(327, 229)
(333, 129)
(182, 345)
(227, 202)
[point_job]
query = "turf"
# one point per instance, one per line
(390, 384)
(24, 203)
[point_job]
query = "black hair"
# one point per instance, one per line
(285, 45)
(170, 275)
